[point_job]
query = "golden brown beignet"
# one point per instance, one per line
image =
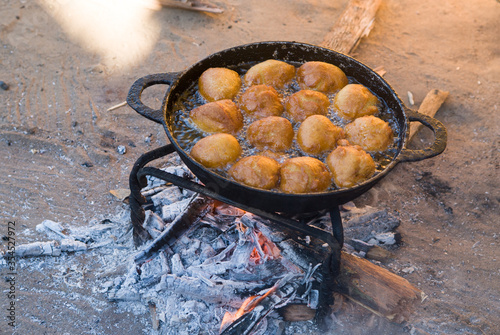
(221, 116)
(321, 76)
(318, 134)
(304, 175)
(350, 165)
(271, 72)
(305, 103)
(219, 83)
(256, 171)
(216, 150)
(272, 132)
(261, 101)
(354, 101)
(370, 133)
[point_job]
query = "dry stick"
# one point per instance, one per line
(195, 5)
(356, 21)
(433, 100)
(121, 104)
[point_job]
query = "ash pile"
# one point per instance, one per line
(213, 268)
(225, 271)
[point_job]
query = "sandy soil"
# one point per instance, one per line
(59, 143)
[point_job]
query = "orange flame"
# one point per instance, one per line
(247, 306)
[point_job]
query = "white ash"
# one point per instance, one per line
(121, 149)
(153, 223)
(198, 264)
(170, 211)
(167, 197)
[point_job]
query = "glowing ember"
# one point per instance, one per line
(265, 249)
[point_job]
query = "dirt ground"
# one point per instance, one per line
(67, 62)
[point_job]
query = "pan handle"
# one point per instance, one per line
(134, 94)
(440, 138)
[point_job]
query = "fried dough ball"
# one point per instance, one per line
(318, 134)
(355, 100)
(321, 76)
(370, 133)
(271, 72)
(304, 175)
(216, 150)
(221, 116)
(350, 164)
(261, 101)
(256, 171)
(305, 103)
(272, 132)
(219, 83)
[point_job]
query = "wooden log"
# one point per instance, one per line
(432, 101)
(355, 22)
(377, 289)
(370, 286)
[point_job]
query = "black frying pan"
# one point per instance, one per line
(275, 201)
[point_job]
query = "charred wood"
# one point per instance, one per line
(49, 248)
(223, 292)
(198, 207)
(261, 305)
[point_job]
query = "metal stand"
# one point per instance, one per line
(334, 240)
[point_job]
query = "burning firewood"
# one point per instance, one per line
(255, 308)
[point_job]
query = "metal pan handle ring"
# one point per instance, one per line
(440, 138)
(135, 92)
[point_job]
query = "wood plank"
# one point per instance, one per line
(377, 289)
(370, 286)
(356, 21)
(432, 101)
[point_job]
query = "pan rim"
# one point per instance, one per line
(361, 187)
